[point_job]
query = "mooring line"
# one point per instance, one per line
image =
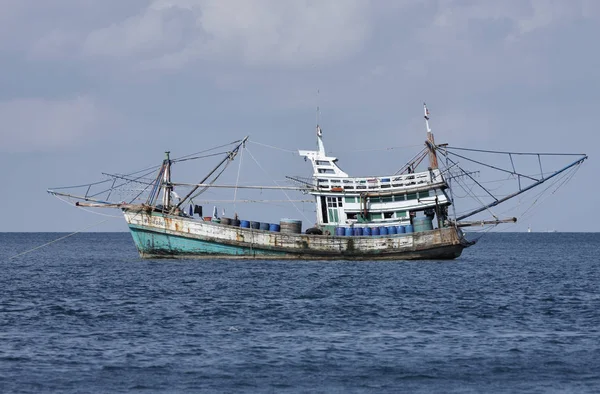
(59, 239)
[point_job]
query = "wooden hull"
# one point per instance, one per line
(163, 236)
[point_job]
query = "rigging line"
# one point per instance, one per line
(206, 150)
(59, 239)
(516, 153)
(379, 149)
(273, 147)
(228, 159)
(199, 157)
(473, 179)
(421, 155)
(274, 181)
(211, 182)
(237, 181)
(124, 177)
(494, 167)
(472, 195)
(249, 201)
(140, 193)
(153, 195)
(567, 176)
(152, 168)
(122, 184)
(556, 173)
(536, 198)
(78, 186)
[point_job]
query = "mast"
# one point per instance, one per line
(433, 163)
(166, 182)
(320, 146)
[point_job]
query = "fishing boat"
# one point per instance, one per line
(405, 215)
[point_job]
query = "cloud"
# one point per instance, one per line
(173, 34)
(43, 125)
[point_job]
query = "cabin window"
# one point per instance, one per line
(400, 214)
(388, 215)
(385, 186)
(350, 199)
(387, 199)
(375, 200)
(399, 197)
(351, 216)
(424, 194)
(375, 215)
(411, 196)
(326, 171)
(334, 202)
(323, 163)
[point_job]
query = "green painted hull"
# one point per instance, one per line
(154, 244)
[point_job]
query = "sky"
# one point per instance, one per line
(107, 86)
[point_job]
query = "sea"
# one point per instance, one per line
(516, 313)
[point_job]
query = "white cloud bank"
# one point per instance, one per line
(173, 34)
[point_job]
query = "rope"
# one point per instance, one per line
(380, 149)
(273, 147)
(56, 240)
(237, 181)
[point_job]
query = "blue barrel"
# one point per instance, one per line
(234, 222)
(255, 225)
(366, 231)
(409, 228)
(383, 231)
(422, 223)
(392, 230)
(400, 229)
(274, 227)
(264, 226)
(339, 231)
(358, 231)
(349, 232)
(244, 223)
(375, 231)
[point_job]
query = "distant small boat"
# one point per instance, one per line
(404, 215)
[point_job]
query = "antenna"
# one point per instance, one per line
(426, 112)
(318, 109)
(320, 146)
